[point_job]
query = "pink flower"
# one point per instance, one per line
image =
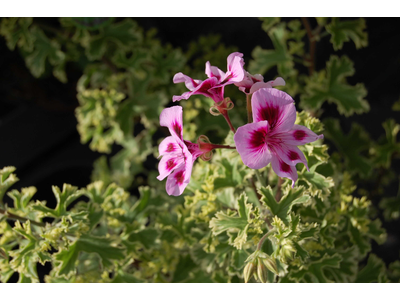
(178, 155)
(273, 137)
(213, 86)
(252, 83)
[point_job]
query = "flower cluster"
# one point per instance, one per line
(272, 137)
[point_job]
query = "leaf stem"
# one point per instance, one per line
(19, 218)
(262, 240)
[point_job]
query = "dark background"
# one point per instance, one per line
(38, 127)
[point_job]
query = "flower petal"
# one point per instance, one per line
(279, 81)
(251, 145)
(169, 163)
(190, 83)
(300, 135)
(274, 106)
(282, 169)
(212, 71)
(171, 117)
(235, 71)
(169, 146)
(208, 88)
(269, 84)
(290, 154)
(179, 179)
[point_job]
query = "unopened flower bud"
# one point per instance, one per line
(287, 251)
(262, 271)
(270, 263)
(248, 271)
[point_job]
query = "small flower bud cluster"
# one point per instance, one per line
(258, 264)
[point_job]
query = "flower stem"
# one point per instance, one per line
(226, 116)
(278, 189)
(222, 147)
(19, 218)
(248, 106)
(262, 240)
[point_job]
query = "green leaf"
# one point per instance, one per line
(45, 49)
(384, 151)
(374, 271)
(147, 237)
(391, 206)
(343, 31)
(394, 271)
(123, 277)
(318, 185)
(97, 118)
(315, 270)
(91, 23)
(330, 85)
(66, 197)
(25, 258)
(16, 32)
(347, 272)
(283, 208)
(183, 269)
(123, 35)
(91, 244)
(279, 56)
(351, 146)
(7, 179)
(22, 198)
(269, 22)
(234, 222)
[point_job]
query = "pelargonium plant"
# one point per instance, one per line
(270, 137)
(250, 197)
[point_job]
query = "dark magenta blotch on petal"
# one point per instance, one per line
(170, 147)
(177, 128)
(293, 155)
(179, 176)
(284, 167)
(270, 114)
(299, 135)
(257, 138)
(171, 164)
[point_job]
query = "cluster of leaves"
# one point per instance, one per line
(319, 231)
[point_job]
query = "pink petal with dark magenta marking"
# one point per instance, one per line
(274, 106)
(179, 179)
(169, 146)
(300, 135)
(190, 83)
(282, 169)
(212, 71)
(171, 117)
(251, 145)
(235, 71)
(169, 163)
(290, 154)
